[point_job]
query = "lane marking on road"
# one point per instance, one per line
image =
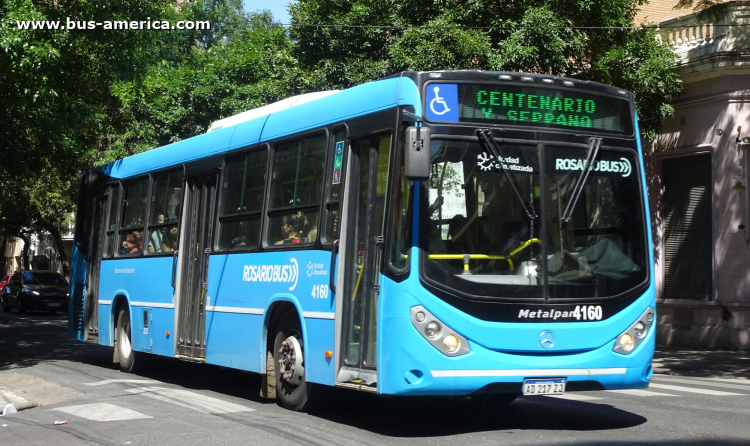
(102, 412)
(191, 400)
(123, 381)
(639, 392)
(574, 397)
(703, 382)
(694, 390)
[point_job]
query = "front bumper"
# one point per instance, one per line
(402, 372)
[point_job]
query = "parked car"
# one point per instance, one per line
(36, 290)
(4, 282)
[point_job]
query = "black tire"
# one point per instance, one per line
(297, 397)
(129, 359)
(6, 306)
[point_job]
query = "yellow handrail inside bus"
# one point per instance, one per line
(524, 246)
(466, 257)
(359, 277)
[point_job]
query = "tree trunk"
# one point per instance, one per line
(62, 256)
(26, 247)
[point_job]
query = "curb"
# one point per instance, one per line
(7, 396)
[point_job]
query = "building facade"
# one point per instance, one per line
(697, 170)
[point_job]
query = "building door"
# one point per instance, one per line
(197, 231)
(361, 253)
(96, 248)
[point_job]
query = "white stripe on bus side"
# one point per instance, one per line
(240, 310)
(528, 372)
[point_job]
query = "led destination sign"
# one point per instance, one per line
(527, 106)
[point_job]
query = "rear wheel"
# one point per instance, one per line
(292, 389)
(129, 360)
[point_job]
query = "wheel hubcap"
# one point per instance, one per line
(290, 363)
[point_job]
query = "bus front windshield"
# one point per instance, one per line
(491, 228)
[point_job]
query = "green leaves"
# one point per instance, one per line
(585, 39)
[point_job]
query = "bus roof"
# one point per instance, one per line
(321, 111)
(268, 109)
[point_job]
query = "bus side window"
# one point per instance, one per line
(400, 227)
(243, 190)
(166, 196)
(296, 190)
(114, 202)
(132, 220)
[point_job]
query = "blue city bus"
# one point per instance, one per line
(452, 233)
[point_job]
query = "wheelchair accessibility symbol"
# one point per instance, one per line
(439, 101)
(442, 102)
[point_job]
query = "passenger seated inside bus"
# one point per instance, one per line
(156, 237)
(134, 240)
(312, 235)
(170, 241)
(289, 231)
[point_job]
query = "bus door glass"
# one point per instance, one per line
(97, 214)
(362, 254)
(197, 231)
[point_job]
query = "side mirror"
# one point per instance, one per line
(417, 154)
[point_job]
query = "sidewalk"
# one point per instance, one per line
(704, 363)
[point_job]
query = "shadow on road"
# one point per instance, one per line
(702, 363)
(433, 417)
(27, 340)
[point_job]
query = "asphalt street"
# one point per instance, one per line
(696, 397)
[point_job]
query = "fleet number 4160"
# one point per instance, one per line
(320, 292)
(588, 313)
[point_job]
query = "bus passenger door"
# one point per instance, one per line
(361, 253)
(196, 233)
(97, 215)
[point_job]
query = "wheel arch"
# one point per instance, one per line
(121, 299)
(275, 309)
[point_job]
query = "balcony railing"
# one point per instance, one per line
(695, 39)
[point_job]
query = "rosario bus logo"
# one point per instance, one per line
(272, 273)
(622, 166)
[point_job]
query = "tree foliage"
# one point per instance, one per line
(250, 67)
(58, 114)
(583, 39)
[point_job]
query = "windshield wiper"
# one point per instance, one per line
(594, 144)
(490, 145)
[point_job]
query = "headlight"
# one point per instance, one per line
(626, 342)
(630, 338)
(441, 336)
(35, 293)
(451, 343)
(640, 329)
(432, 330)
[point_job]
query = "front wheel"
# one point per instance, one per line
(6, 306)
(128, 358)
(292, 389)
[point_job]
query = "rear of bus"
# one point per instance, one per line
(530, 269)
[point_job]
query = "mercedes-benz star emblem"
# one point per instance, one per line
(547, 339)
